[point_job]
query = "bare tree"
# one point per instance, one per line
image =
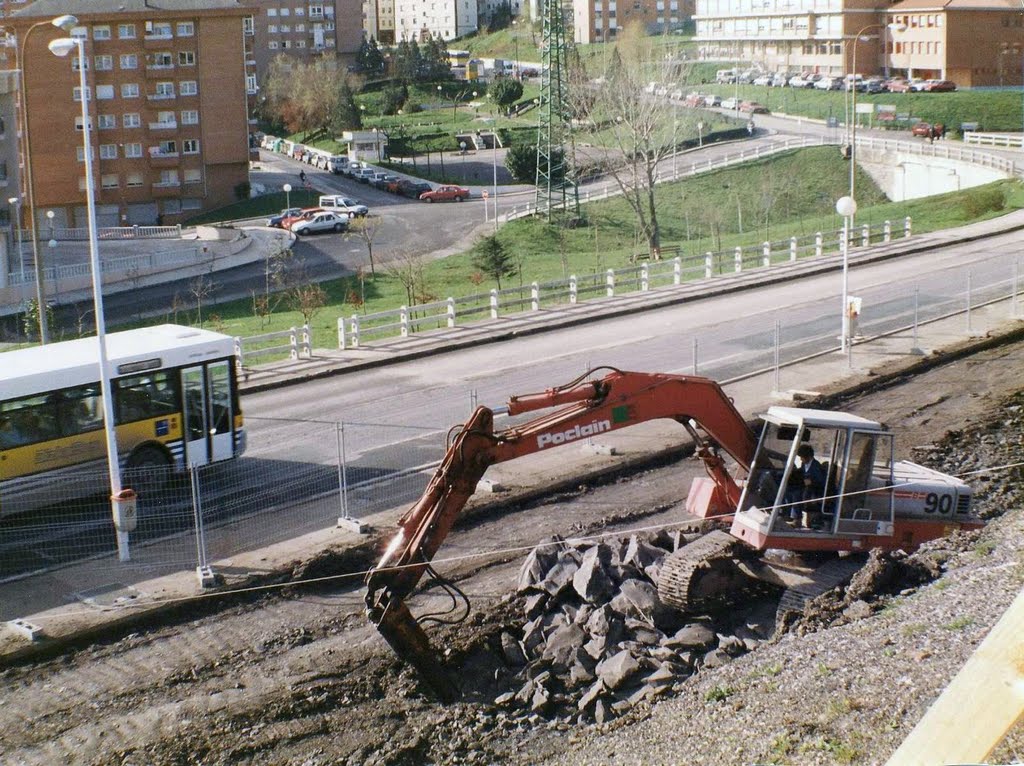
(407, 268)
(308, 299)
(201, 288)
(639, 125)
(366, 229)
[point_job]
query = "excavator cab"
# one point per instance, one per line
(856, 507)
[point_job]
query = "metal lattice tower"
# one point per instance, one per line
(557, 189)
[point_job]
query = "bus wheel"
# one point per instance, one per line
(149, 471)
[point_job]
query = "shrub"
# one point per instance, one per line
(980, 201)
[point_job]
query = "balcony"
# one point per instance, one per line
(159, 71)
(157, 40)
(166, 189)
(158, 159)
(173, 125)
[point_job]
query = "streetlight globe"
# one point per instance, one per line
(12, 200)
(846, 207)
(62, 46)
(287, 187)
(52, 243)
(66, 22)
(50, 214)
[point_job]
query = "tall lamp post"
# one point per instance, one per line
(67, 22)
(16, 202)
(847, 208)
(287, 196)
(122, 500)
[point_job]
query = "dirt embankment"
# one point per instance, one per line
(299, 677)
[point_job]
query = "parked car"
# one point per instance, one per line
(764, 79)
(829, 83)
(872, 85)
(780, 79)
(363, 175)
(379, 179)
(939, 86)
(729, 103)
(319, 222)
(413, 189)
(303, 214)
(343, 205)
(712, 100)
(446, 193)
(277, 221)
(928, 130)
(694, 99)
(337, 164)
(917, 84)
(753, 107)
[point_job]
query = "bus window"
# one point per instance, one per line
(145, 396)
(79, 410)
(27, 421)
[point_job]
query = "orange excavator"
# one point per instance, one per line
(866, 500)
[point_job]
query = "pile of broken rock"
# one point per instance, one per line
(598, 641)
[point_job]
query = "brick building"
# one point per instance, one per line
(597, 21)
(167, 101)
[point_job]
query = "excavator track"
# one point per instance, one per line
(823, 579)
(702, 576)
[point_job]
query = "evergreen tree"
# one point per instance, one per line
(521, 161)
(505, 91)
(416, 69)
(374, 56)
(494, 259)
(404, 66)
(345, 115)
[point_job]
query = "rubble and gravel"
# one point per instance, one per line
(299, 679)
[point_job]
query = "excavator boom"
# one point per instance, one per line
(584, 408)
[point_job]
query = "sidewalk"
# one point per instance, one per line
(109, 598)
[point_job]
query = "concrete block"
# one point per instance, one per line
(27, 629)
(353, 525)
(598, 449)
(490, 485)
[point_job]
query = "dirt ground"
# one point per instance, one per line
(297, 676)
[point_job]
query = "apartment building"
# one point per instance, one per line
(302, 30)
(167, 107)
(596, 21)
(972, 44)
(379, 20)
(415, 19)
(814, 35)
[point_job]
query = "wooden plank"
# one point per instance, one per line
(979, 706)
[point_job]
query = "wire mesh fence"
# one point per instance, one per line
(301, 476)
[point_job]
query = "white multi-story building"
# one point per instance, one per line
(600, 20)
(415, 19)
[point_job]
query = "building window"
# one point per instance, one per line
(286, 28)
(158, 29)
(300, 27)
(131, 120)
(251, 86)
(168, 178)
(286, 44)
(80, 33)
(188, 87)
(108, 151)
(190, 146)
(186, 28)
(76, 94)
(130, 90)
(168, 147)
(272, 11)
(76, 65)
(126, 31)
(165, 118)
(133, 151)
(129, 61)
(186, 58)
(78, 123)
(272, 45)
(248, 25)
(189, 117)
(101, 33)
(134, 180)
(300, 11)
(300, 43)
(191, 203)
(104, 63)
(104, 92)
(109, 181)
(285, 11)
(80, 153)
(106, 121)
(159, 61)
(165, 90)
(316, 11)
(272, 29)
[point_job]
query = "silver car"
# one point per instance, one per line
(325, 221)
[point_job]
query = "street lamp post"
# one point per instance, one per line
(847, 208)
(66, 22)
(122, 500)
(494, 168)
(16, 202)
(462, 150)
(287, 196)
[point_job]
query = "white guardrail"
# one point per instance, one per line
(1010, 140)
(403, 321)
(299, 344)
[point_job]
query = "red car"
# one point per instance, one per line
(940, 86)
(753, 107)
(445, 194)
(303, 215)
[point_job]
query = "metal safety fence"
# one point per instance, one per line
(305, 476)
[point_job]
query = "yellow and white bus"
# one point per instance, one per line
(175, 404)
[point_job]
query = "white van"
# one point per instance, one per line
(726, 76)
(343, 205)
(337, 164)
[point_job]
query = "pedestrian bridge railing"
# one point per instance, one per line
(638, 278)
(294, 343)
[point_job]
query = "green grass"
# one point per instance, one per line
(719, 694)
(702, 214)
(264, 205)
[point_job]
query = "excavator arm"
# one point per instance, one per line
(585, 408)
